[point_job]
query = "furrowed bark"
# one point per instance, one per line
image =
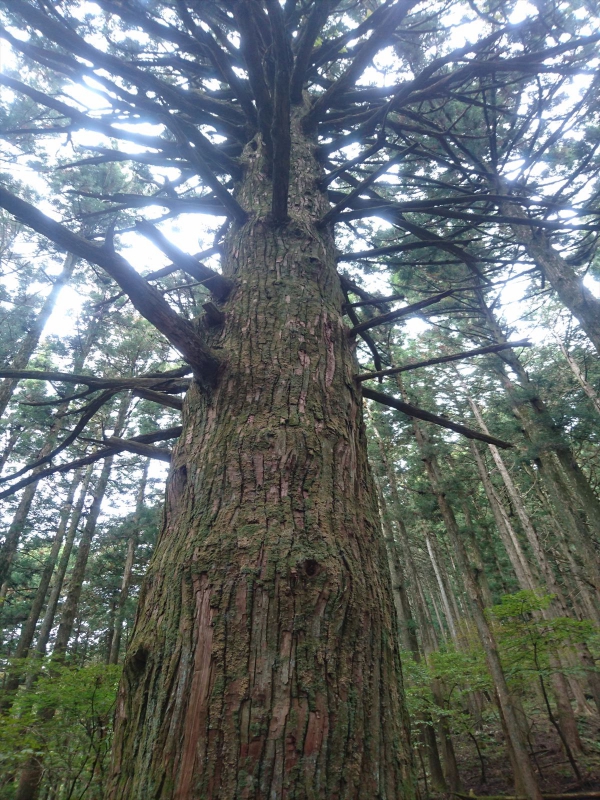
(264, 660)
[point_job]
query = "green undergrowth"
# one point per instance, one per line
(533, 643)
(62, 715)
(64, 720)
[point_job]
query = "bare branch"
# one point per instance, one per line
(427, 416)
(480, 351)
(401, 312)
(131, 446)
(145, 299)
(156, 381)
(158, 397)
(148, 438)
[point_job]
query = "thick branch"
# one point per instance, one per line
(145, 299)
(419, 413)
(131, 446)
(143, 381)
(378, 39)
(147, 438)
(185, 133)
(280, 125)
(400, 312)
(214, 282)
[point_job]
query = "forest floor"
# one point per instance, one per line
(494, 776)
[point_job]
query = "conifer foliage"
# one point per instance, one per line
(226, 184)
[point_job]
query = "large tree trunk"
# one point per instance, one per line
(264, 659)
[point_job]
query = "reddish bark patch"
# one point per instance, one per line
(194, 732)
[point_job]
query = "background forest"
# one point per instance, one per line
(479, 307)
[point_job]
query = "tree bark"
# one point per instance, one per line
(264, 660)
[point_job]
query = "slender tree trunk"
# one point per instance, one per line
(567, 284)
(61, 570)
(524, 774)
(15, 434)
(19, 521)
(32, 338)
(28, 630)
(442, 582)
(476, 554)
(587, 387)
(32, 773)
(264, 660)
(505, 529)
(408, 637)
(543, 562)
(554, 455)
(71, 603)
(115, 643)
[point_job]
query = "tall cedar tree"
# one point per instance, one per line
(264, 661)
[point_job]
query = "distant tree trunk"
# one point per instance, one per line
(442, 582)
(61, 570)
(132, 542)
(32, 338)
(571, 496)
(77, 576)
(476, 554)
(525, 779)
(587, 387)
(408, 637)
(32, 773)
(567, 284)
(543, 562)
(19, 521)
(507, 533)
(15, 434)
(28, 630)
